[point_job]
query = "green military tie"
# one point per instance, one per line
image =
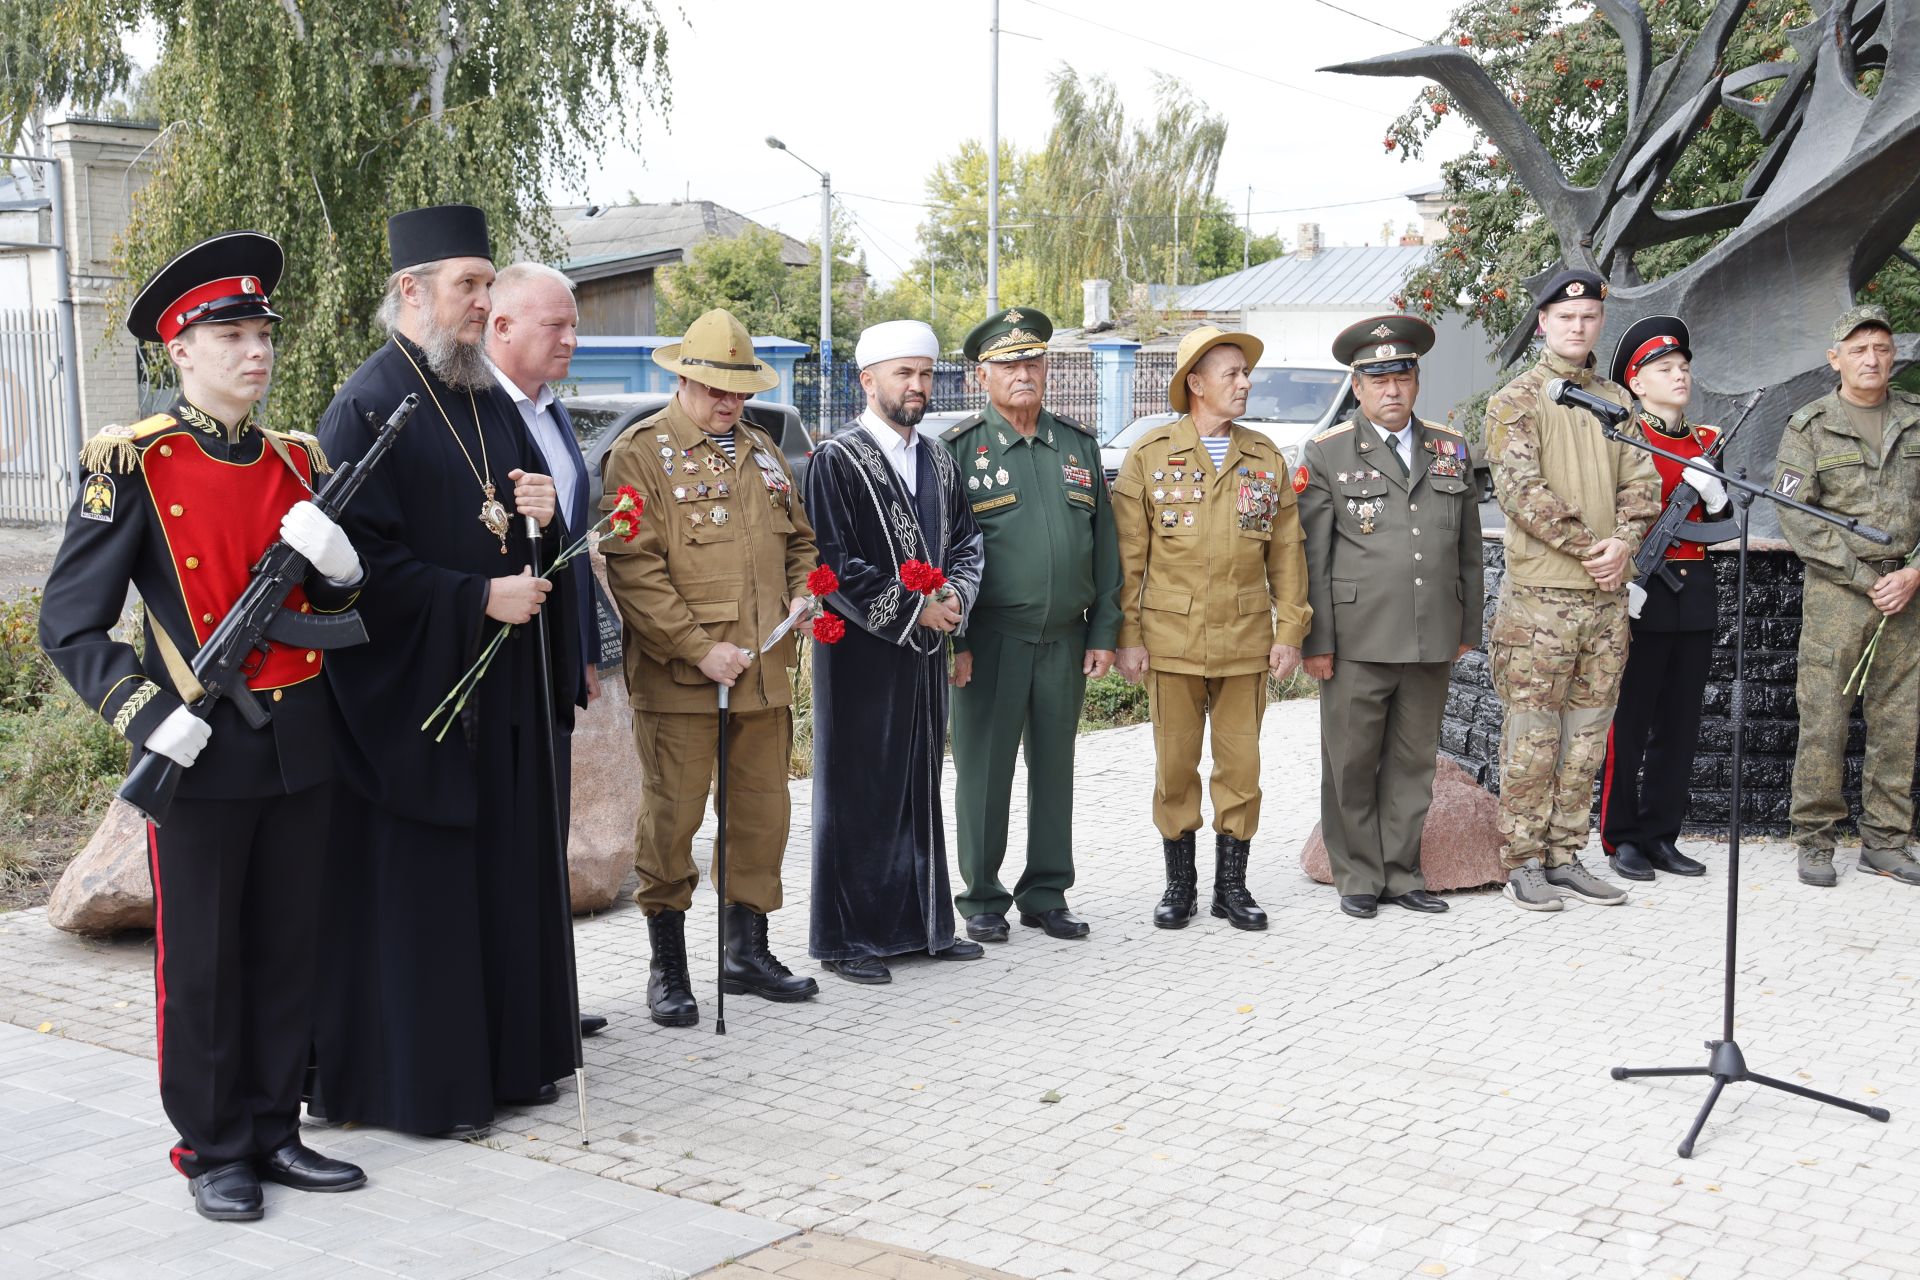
(1393, 447)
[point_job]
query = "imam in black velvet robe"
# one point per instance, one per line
(880, 700)
(442, 971)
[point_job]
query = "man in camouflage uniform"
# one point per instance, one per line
(1576, 507)
(1856, 453)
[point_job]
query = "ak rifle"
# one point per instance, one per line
(1673, 526)
(223, 663)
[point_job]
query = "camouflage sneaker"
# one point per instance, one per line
(1583, 884)
(1895, 864)
(1527, 886)
(1816, 867)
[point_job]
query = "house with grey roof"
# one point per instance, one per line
(614, 250)
(1297, 303)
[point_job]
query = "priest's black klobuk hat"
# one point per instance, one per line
(219, 280)
(436, 233)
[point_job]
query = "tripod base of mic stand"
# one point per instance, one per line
(1728, 1066)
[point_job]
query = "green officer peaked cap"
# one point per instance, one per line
(1018, 333)
(1384, 344)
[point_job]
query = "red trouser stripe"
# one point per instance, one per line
(1606, 790)
(160, 974)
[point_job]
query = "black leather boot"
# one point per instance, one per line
(748, 967)
(1180, 903)
(669, 987)
(1231, 901)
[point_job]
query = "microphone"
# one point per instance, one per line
(1562, 392)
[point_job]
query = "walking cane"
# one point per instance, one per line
(720, 863)
(563, 879)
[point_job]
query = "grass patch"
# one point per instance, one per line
(59, 762)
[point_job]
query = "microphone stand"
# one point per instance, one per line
(1726, 1064)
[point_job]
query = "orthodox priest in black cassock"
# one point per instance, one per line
(444, 980)
(880, 884)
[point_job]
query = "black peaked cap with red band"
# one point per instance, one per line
(220, 280)
(1647, 340)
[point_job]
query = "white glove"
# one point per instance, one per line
(1712, 493)
(1636, 597)
(180, 737)
(322, 542)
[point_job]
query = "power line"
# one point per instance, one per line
(1328, 4)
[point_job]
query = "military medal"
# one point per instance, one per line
(679, 493)
(719, 515)
(693, 517)
(1159, 475)
(1159, 495)
(973, 482)
(1002, 477)
(1187, 519)
(981, 462)
(701, 490)
(721, 490)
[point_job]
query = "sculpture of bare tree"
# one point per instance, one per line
(1825, 206)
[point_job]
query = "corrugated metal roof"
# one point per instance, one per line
(600, 232)
(1364, 275)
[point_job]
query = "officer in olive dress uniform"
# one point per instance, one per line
(1046, 622)
(1648, 773)
(720, 561)
(1213, 600)
(1394, 576)
(1856, 452)
(180, 506)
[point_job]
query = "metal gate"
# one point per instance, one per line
(34, 482)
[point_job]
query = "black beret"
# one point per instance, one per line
(1573, 286)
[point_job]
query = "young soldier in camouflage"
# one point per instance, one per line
(1856, 452)
(1576, 507)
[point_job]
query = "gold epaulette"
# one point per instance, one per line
(1443, 427)
(1328, 435)
(117, 448)
(308, 441)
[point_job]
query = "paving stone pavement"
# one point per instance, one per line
(1410, 1095)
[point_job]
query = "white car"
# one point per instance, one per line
(1289, 404)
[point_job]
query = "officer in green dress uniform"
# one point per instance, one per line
(1394, 578)
(1047, 619)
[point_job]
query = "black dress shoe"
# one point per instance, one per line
(548, 1092)
(1416, 900)
(591, 1024)
(1058, 922)
(1361, 906)
(1629, 863)
(304, 1169)
(1665, 856)
(869, 970)
(466, 1132)
(227, 1193)
(961, 949)
(988, 926)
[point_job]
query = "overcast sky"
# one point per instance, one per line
(876, 91)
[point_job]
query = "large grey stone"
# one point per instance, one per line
(1460, 847)
(106, 888)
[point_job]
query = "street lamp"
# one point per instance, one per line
(826, 279)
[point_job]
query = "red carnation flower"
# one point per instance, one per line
(828, 629)
(917, 575)
(935, 580)
(822, 582)
(625, 519)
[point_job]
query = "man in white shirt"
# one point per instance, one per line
(531, 335)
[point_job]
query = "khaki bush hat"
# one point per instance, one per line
(718, 352)
(1197, 344)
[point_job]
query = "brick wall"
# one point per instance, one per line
(1470, 733)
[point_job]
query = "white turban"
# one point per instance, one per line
(896, 340)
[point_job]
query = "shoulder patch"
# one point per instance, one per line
(963, 426)
(1342, 429)
(96, 498)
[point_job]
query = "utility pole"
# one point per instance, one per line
(993, 163)
(1246, 239)
(826, 281)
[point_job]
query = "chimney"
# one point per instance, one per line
(1096, 303)
(1309, 233)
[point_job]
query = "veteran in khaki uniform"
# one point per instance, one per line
(1046, 622)
(1395, 579)
(1856, 452)
(1577, 505)
(721, 559)
(1213, 600)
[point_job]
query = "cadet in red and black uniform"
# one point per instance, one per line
(1648, 771)
(181, 505)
